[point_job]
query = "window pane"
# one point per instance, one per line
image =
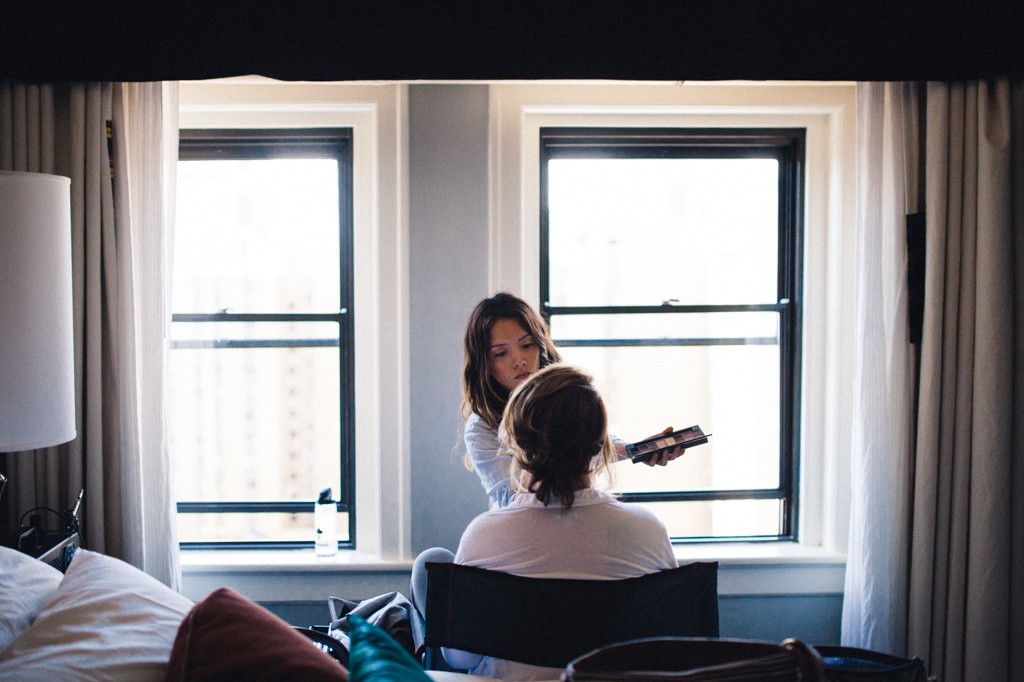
(209, 332)
(644, 231)
(254, 424)
(257, 235)
(741, 326)
(732, 392)
(267, 527)
(720, 518)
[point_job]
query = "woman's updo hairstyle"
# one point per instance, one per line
(555, 424)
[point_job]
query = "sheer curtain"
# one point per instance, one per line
(120, 186)
(874, 611)
(936, 555)
(147, 141)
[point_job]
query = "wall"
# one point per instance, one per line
(448, 257)
(769, 598)
(448, 254)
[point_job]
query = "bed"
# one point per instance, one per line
(105, 620)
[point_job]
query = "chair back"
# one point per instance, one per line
(550, 621)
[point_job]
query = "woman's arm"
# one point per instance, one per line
(491, 461)
(619, 445)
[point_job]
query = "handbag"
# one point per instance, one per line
(849, 664)
(391, 612)
(693, 659)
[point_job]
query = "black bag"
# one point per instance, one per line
(389, 611)
(693, 659)
(849, 664)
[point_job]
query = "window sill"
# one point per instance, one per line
(735, 553)
(282, 575)
(282, 560)
(290, 575)
(770, 568)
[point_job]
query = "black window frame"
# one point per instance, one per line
(788, 146)
(268, 143)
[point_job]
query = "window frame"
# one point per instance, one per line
(786, 145)
(828, 111)
(267, 143)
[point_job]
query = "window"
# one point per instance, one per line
(261, 413)
(670, 269)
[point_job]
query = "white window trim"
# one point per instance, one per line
(377, 116)
(827, 111)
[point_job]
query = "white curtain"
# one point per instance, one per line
(874, 607)
(120, 187)
(936, 555)
(145, 136)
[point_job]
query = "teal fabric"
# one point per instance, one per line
(375, 655)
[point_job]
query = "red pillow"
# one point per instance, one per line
(229, 637)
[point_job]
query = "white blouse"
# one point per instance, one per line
(598, 538)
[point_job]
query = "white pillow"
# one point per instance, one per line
(25, 585)
(106, 621)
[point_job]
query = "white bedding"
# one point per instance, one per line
(25, 585)
(102, 620)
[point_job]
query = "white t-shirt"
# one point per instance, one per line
(598, 538)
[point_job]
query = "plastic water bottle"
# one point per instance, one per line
(325, 516)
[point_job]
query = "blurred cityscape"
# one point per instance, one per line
(682, 232)
(260, 423)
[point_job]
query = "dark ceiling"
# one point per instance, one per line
(503, 39)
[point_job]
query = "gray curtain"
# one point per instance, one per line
(966, 580)
(118, 199)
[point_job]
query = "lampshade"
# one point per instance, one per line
(37, 379)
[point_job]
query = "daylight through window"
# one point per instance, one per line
(260, 363)
(670, 269)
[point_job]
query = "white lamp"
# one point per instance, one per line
(37, 372)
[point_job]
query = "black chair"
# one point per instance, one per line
(550, 621)
(689, 659)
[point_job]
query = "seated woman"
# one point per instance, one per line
(558, 525)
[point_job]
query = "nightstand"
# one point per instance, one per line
(54, 547)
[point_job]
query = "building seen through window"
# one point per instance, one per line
(260, 362)
(670, 271)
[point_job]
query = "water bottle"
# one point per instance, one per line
(325, 516)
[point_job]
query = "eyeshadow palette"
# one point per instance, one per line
(644, 450)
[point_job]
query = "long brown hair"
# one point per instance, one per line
(480, 392)
(555, 424)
